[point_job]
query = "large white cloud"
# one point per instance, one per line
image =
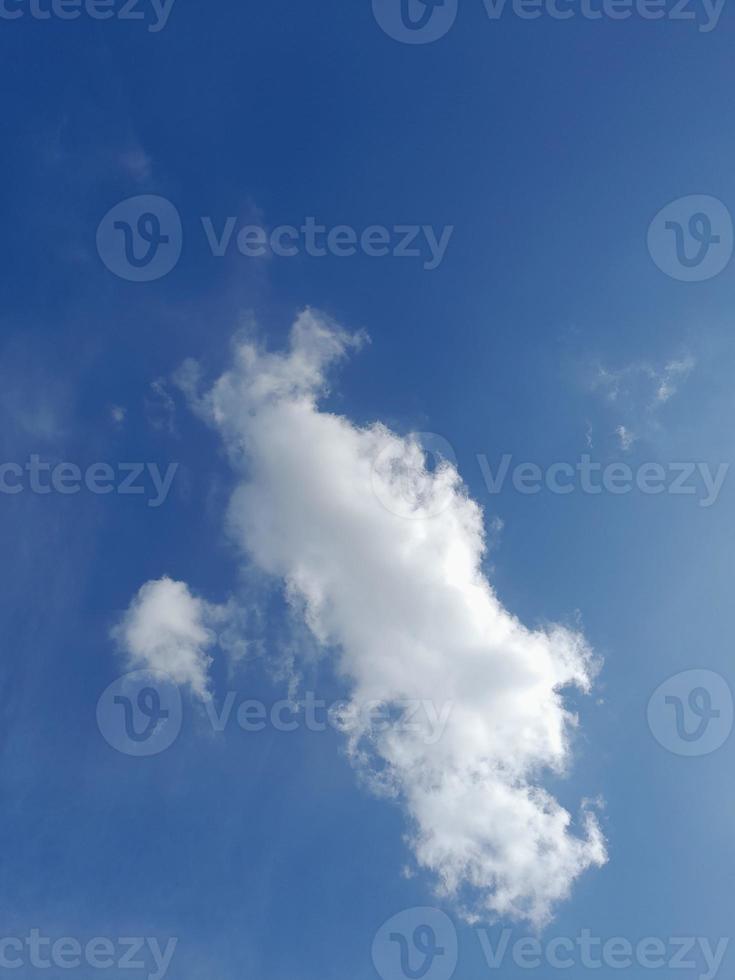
(386, 557)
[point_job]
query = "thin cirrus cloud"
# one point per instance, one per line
(641, 384)
(635, 396)
(384, 556)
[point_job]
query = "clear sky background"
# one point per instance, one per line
(549, 146)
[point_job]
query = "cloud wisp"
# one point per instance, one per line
(638, 393)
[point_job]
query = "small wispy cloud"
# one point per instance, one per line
(118, 414)
(635, 394)
(160, 407)
(625, 437)
(673, 374)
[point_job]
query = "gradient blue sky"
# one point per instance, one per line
(549, 146)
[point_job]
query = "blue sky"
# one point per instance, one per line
(547, 332)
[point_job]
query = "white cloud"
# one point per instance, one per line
(165, 629)
(672, 375)
(406, 609)
(161, 408)
(637, 393)
(625, 437)
(640, 386)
